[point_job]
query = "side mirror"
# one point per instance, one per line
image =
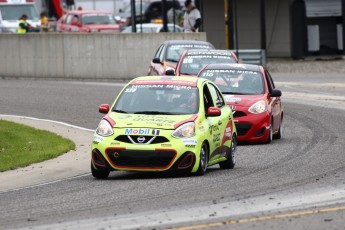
(156, 61)
(170, 72)
(104, 108)
(276, 93)
(213, 112)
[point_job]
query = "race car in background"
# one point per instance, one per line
(192, 61)
(250, 91)
(88, 21)
(165, 124)
(169, 53)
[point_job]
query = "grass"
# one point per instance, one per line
(22, 145)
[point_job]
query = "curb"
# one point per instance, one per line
(71, 164)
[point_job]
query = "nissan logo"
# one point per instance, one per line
(141, 139)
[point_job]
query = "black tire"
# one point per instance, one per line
(270, 134)
(279, 134)
(203, 160)
(99, 173)
(231, 155)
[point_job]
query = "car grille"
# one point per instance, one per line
(156, 159)
(242, 129)
(137, 139)
(239, 114)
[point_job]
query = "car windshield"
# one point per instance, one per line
(14, 12)
(98, 19)
(174, 52)
(236, 81)
(158, 99)
(192, 64)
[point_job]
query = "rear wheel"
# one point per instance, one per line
(203, 160)
(231, 155)
(99, 173)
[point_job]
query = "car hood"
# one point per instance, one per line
(149, 121)
(243, 100)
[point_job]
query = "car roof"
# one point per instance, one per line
(166, 80)
(209, 52)
(235, 66)
(180, 42)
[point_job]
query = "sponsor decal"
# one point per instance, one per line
(178, 47)
(228, 132)
(158, 83)
(115, 143)
(190, 142)
(125, 116)
(98, 139)
(190, 146)
(231, 98)
(155, 132)
(154, 119)
(166, 145)
(214, 128)
(137, 131)
(140, 131)
(216, 137)
(202, 128)
(130, 90)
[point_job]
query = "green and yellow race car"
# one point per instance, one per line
(165, 123)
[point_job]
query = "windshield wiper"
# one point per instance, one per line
(153, 113)
(118, 111)
(235, 93)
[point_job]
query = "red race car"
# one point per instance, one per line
(192, 61)
(87, 21)
(168, 54)
(256, 104)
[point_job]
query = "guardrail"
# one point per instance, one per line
(82, 56)
(252, 56)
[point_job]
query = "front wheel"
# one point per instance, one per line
(279, 134)
(270, 134)
(203, 160)
(231, 155)
(99, 173)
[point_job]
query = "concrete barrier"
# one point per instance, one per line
(81, 56)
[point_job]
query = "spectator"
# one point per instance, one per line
(192, 18)
(70, 4)
(23, 25)
(44, 22)
(175, 16)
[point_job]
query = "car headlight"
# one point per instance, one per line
(184, 131)
(104, 128)
(258, 107)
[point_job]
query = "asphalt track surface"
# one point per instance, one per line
(293, 183)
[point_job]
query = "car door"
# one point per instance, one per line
(274, 103)
(219, 126)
